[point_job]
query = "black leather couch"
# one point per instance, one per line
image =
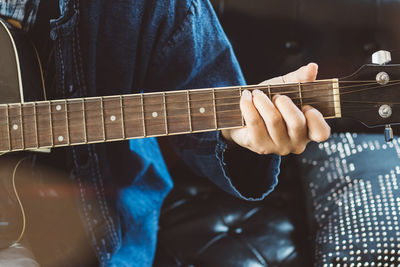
(201, 225)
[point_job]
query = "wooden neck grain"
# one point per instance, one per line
(58, 123)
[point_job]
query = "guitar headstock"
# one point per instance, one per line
(372, 94)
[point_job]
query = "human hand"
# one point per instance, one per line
(279, 126)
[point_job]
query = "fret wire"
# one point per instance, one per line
(189, 111)
(300, 96)
(36, 126)
(215, 109)
(254, 87)
(156, 135)
(292, 92)
(66, 121)
(122, 117)
(229, 104)
(176, 109)
(102, 118)
(241, 92)
(84, 120)
(269, 92)
(219, 105)
(8, 127)
(233, 109)
(232, 97)
(220, 98)
(165, 114)
(51, 124)
(22, 129)
(36, 113)
(143, 118)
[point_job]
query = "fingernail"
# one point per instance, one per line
(247, 95)
(312, 64)
(257, 92)
(307, 108)
(275, 97)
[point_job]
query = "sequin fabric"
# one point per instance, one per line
(352, 187)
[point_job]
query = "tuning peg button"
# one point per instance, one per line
(381, 57)
(388, 133)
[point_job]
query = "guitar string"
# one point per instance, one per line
(148, 124)
(185, 117)
(330, 103)
(193, 101)
(139, 135)
(192, 93)
(236, 109)
(219, 90)
(296, 91)
(220, 98)
(46, 105)
(380, 86)
(27, 114)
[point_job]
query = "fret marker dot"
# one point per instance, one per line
(15, 127)
(58, 107)
(202, 110)
(113, 118)
(60, 138)
(154, 114)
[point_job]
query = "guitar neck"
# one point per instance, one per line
(57, 123)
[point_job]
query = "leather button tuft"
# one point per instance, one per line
(293, 47)
(192, 191)
(370, 48)
(236, 230)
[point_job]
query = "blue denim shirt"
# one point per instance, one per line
(108, 47)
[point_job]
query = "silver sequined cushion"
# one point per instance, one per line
(352, 187)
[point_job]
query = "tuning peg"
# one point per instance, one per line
(381, 57)
(388, 133)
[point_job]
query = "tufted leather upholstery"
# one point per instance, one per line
(202, 226)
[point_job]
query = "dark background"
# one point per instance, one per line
(272, 37)
(202, 226)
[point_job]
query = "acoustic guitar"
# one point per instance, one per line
(30, 122)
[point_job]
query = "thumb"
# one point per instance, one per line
(240, 136)
(304, 74)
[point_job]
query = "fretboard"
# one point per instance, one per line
(56, 123)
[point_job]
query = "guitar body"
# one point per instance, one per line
(19, 70)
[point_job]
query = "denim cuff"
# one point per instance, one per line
(248, 175)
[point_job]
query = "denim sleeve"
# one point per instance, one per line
(198, 54)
